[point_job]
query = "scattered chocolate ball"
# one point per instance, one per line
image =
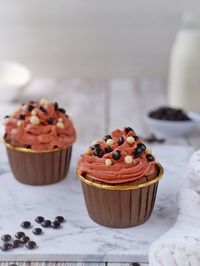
(98, 152)
(55, 224)
(128, 129)
(25, 239)
(30, 245)
(60, 219)
(152, 138)
(136, 137)
(7, 116)
(107, 137)
(19, 235)
(168, 113)
(6, 246)
(46, 223)
(17, 243)
(42, 109)
(61, 110)
(30, 108)
(142, 146)
(138, 152)
(120, 141)
(25, 224)
(37, 231)
(39, 219)
(95, 146)
(116, 155)
(150, 158)
(21, 117)
(56, 106)
(108, 149)
(50, 120)
(6, 238)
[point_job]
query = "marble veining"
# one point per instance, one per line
(80, 239)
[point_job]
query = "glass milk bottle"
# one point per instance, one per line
(184, 71)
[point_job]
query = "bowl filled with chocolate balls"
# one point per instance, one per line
(172, 122)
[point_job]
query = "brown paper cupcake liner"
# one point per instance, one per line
(120, 206)
(39, 168)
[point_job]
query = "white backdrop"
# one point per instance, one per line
(91, 38)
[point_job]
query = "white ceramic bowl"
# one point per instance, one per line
(14, 77)
(166, 128)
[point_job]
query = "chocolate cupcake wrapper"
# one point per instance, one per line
(39, 168)
(121, 208)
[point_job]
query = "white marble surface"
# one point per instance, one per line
(80, 239)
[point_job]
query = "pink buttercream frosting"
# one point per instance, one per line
(39, 126)
(119, 171)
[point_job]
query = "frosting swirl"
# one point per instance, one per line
(119, 158)
(39, 126)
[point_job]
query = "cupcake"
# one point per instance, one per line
(119, 178)
(39, 138)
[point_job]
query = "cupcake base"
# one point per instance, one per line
(39, 168)
(120, 206)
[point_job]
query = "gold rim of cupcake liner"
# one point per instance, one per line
(123, 187)
(31, 150)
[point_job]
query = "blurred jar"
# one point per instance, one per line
(184, 71)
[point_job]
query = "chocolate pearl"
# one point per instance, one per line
(6, 246)
(37, 231)
(136, 137)
(128, 129)
(150, 158)
(30, 108)
(39, 219)
(60, 219)
(120, 141)
(116, 155)
(25, 239)
(137, 152)
(107, 137)
(55, 224)
(19, 235)
(30, 245)
(7, 116)
(98, 152)
(108, 149)
(21, 117)
(142, 146)
(6, 238)
(25, 224)
(50, 120)
(56, 106)
(46, 223)
(61, 110)
(17, 243)
(95, 146)
(42, 109)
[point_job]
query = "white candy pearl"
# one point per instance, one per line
(60, 125)
(34, 113)
(128, 159)
(6, 120)
(19, 123)
(109, 142)
(95, 142)
(43, 101)
(34, 120)
(88, 151)
(148, 150)
(130, 140)
(108, 162)
(24, 107)
(60, 120)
